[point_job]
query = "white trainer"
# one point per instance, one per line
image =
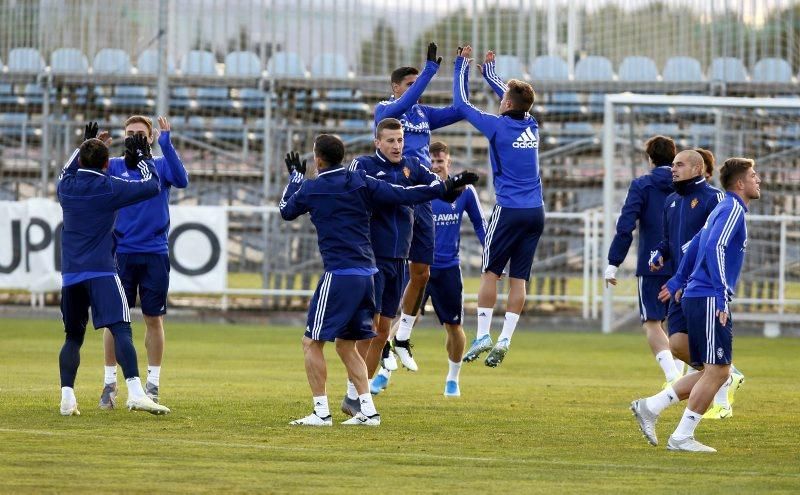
(146, 404)
(403, 350)
(313, 420)
(361, 420)
(688, 444)
(388, 360)
(69, 408)
(646, 419)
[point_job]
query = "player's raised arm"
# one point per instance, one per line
(175, 172)
(397, 107)
(488, 69)
(484, 122)
(293, 203)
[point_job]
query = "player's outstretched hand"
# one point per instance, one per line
(90, 130)
(454, 185)
(465, 51)
(293, 163)
(487, 59)
(136, 149)
(432, 48)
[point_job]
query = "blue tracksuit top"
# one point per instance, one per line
(143, 227)
(513, 147)
(447, 218)
(644, 204)
(713, 261)
(391, 226)
(90, 199)
(685, 212)
(341, 202)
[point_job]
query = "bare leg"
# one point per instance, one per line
(702, 394)
(316, 369)
(108, 348)
(679, 345)
(656, 337)
(373, 356)
(487, 292)
(154, 339)
(455, 343)
(516, 295)
(354, 363)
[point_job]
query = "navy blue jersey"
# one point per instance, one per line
(447, 219)
(715, 256)
(390, 226)
(685, 212)
(90, 199)
(643, 204)
(418, 120)
(341, 202)
(143, 227)
(513, 147)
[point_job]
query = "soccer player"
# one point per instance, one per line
(644, 205)
(90, 199)
(391, 231)
(418, 121)
(715, 255)
(445, 287)
(340, 202)
(142, 252)
(517, 220)
(685, 213)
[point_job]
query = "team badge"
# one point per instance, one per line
(694, 202)
(407, 172)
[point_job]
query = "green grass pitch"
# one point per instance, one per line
(552, 419)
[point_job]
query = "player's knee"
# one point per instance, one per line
(153, 323)
(75, 337)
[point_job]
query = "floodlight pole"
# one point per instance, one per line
(162, 99)
(608, 202)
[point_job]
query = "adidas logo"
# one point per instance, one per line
(380, 172)
(672, 205)
(481, 314)
(526, 140)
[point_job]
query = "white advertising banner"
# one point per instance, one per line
(30, 247)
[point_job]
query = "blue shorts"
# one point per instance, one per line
(103, 294)
(389, 283)
(445, 288)
(676, 321)
(512, 236)
(650, 308)
(422, 243)
(709, 341)
(147, 273)
(342, 308)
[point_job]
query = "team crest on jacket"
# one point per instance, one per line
(694, 202)
(407, 172)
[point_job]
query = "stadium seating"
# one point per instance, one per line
(638, 69)
(682, 69)
(286, 64)
(15, 125)
(147, 63)
(330, 65)
(772, 70)
(509, 67)
(68, 61)
(112, 61)
(336, 102)
(594, 68)
(245, 64)
(727, 69)
(25, 60)
(200, 63)
(549, 68)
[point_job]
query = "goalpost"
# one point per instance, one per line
(766, 129)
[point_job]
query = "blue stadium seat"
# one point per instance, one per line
(337, 102)
(772, 70)
(16, 125)
(196, 128)
(727, 69)
(69, 61)
(200, 63)
(669, 130)
(112, 61)
(562, 103)
(682, 69)
(788, 136)
(702, 135)
(594, 68)
(147, 63)
(509, 67)
(549, 67)
(286, 64)
(7, 96)
(242, 64)
(25, 60)
(638, 69)
(330, 65)
(228, 128)
(577, 131)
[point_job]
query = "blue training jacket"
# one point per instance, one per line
(143, 227)
(685, 212)
(90, 199)
(713, 261)
(513, 147)
(341, 202)
(391, 225)
(644, 204)
(447, 218)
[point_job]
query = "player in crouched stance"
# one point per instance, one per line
(340, 203)
(714, 258)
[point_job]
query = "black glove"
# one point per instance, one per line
(90, 131)
(136, 149)
(293, 163)
(432, 54)
(455, 184)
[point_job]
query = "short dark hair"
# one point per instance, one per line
(708, 160)
(400, 73)
(438, 147)
(733, 169)
(521, 95)
(660, 149)
(93, 154)
(329, 148)
(389, 123)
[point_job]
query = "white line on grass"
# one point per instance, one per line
(415, 455)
